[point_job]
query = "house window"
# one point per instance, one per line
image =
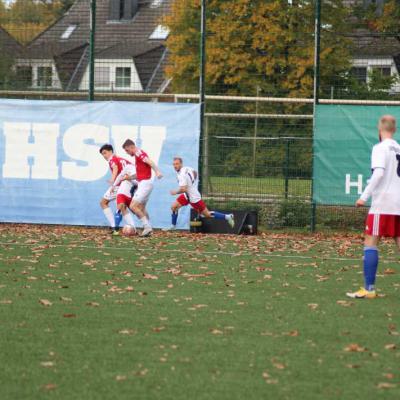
(24, 75)
(102, 76)
(384, 71)
(68, 32)
(44, 76)
(122, 77)
(359, 73)
(160, 33)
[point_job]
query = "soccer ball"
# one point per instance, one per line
(128, 230)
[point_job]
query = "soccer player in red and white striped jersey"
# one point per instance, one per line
(144, 167)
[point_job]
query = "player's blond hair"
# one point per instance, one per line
(387, 123)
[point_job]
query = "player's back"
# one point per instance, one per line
(386, 197)
(120, 162)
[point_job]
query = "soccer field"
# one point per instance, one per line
(178, 316)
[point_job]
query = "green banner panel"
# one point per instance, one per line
(343, 140)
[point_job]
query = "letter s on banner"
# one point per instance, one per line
(76, 146)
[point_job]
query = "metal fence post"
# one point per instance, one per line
(317, 50)
(287, 168)
(202, 83)
(92, 46)
(205, 163)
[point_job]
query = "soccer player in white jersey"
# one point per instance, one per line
(189, 194)
(384, 215)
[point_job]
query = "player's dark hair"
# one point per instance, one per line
(128, 142)
(107, 147)
(179, 159)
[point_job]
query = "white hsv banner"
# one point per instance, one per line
(50, 166)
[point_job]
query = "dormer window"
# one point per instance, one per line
(122, 9)
(156, 3)
(160, 33)
(68, 32)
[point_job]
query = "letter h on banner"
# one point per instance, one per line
(18, 150)
(356, 184)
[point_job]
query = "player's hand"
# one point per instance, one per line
(173, 192)
(360, 203)
(125, 177)
(111, 182)
(159, 175)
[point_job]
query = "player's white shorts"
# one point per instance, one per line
(143, 191)
(111, 193)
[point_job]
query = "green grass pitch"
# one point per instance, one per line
(178, 316)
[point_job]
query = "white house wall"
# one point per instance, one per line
(35, 63)
(370, 63)
(136, 85)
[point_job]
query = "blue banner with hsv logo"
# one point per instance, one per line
(51, 169)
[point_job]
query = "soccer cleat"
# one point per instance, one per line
(146, 232)
(231, 220)
(362, 294)
(170, 228)
(115, 232)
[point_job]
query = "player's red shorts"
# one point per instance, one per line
(200, 206)
(123, 199)
(382, 225)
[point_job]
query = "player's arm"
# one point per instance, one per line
(153, 166)
(373, 183)
(182, 189)
(124, 177)
(378, 164)
(114, 174)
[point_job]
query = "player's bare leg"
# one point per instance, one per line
(370, 268)
(174, 216)
(217, 215)
(140, 212)
(126, 215)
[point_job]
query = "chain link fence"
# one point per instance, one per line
(260, 71)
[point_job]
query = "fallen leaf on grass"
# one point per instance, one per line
(198, 275)
(92, 304)
(45, 302)
(279, 366)
(47, 364)
(345, 303)
(292, 333)
(69, 315)
(313, 306)
(390, 346)
(149, 276)
(5, 301)
(385, 385)
(216, 332)
(65, 298)
(389, 271)
(158, 328)
(353, 366)
(120, 378)
(127, 332)
(50, 386)
(354, 347)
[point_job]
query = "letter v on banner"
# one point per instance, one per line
(19, 149)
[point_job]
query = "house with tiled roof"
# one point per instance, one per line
(130, 51)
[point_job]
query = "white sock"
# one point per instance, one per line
(145, 221)
(110, 216)
(128, 219)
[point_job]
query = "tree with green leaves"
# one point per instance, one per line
(256, 43)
